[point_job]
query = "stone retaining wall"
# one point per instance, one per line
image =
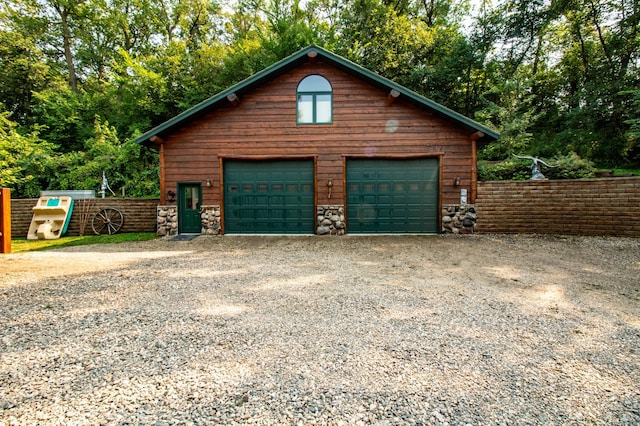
(606, 206)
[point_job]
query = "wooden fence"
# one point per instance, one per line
(139, 214)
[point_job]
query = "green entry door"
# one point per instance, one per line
(189, 196)
(269, 197)
(387, 196)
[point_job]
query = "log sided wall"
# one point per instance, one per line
(262, 125)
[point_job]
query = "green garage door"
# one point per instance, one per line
(392, 196)
(269, 197)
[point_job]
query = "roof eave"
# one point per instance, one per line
(243, 86)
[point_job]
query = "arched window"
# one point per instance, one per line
(314, 100)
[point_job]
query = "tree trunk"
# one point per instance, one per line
(68, 52)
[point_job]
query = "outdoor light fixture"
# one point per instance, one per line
(329, 185)
(171, 196)
(456, 181)
(208, 183)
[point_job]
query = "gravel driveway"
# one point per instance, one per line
(487, 330)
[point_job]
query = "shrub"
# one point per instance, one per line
(569, 166)
(511, 169)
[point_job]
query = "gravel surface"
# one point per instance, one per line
(479, 330)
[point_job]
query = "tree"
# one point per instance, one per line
(632, 147)
(23, 70)
(580, 63)
(62, 116)
(512, 113)
(598, 67)
(125, 164)
(23, 159)
(377, 37)
(64, 19)
(555, 77)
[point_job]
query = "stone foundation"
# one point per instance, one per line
(210, 217)
(167, 220)
(330, 220)
(457, 219)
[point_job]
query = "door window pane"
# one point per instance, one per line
(191, 198)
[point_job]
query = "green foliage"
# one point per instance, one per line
(378, 38)
(511, 169)
(23, 159)
(632, 146)
(553, 77)
(289, 28)
(124, 164)
(569, 166)
(83, 169)
(141, 93)
(22, 73)
(62, 116)
(626, 172)
(512, 113)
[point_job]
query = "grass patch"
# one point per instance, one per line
(617, 172)
(634, 172)
(24, 245)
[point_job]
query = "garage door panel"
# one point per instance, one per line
(392, 196)
(384, 214)
(269, 196)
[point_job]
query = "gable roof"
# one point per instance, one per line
(337, 61)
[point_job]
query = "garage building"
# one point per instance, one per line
(314, 144)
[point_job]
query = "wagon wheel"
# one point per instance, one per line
(107, 221)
